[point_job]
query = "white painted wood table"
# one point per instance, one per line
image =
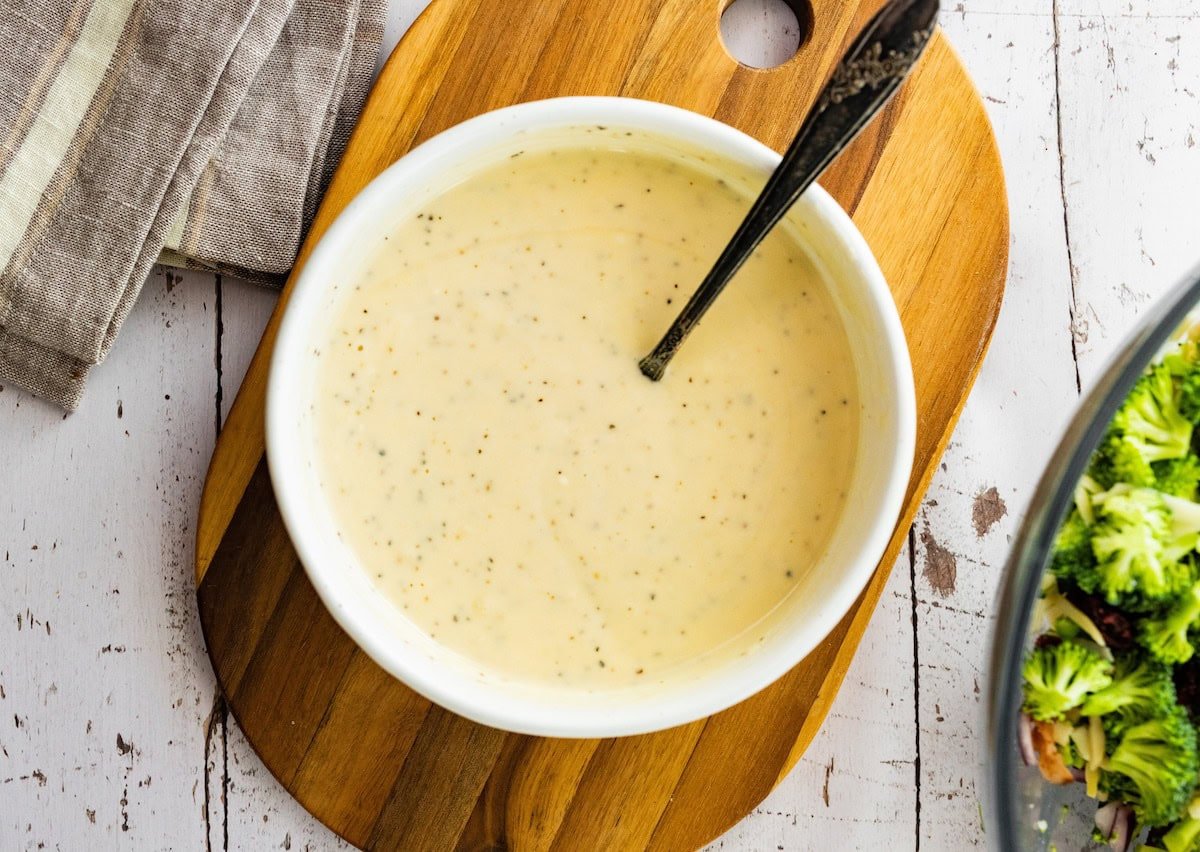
(112, 734)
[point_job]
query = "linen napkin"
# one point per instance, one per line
(201, 133)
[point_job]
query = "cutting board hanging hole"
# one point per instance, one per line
(765, 33)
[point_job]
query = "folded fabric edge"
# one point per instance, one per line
(356, 80)
(229, 192)
(54, 376)
(169, 257)
(325, 141)
(77, 279)
(245, 58)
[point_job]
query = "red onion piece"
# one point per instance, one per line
(1122, 834)
(1025, 740)
(1077, 774)
(1115, 822)
(1106, 818)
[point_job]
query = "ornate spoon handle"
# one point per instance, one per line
(863, 82)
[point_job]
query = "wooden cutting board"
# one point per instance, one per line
(377, 763)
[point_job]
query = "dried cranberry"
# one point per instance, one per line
(1187, 685)
(1114, 626)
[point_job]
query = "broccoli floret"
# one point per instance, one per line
(1166, 637)
(1184, 836)
(1072, 556)
(1134, 552)
(1153, 768)
(1151, 420)
(1059, 677)
(1184, 365)
(1189, 394)
(1141, 688)
(1153, 427)
(1130, 538)
(1185, 524)
(1178, 477)
(1121, 459)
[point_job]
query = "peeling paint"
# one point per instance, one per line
(941, 566)
(989, 507)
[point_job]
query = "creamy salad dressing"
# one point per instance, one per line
(510, 480)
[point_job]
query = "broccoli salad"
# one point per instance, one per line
(1112, 686)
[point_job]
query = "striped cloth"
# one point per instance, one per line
(199, 132)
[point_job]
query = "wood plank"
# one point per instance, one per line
(543, 786)
(1006, 433)
(1131, 127)
(625, 789)
(444, 772)
(105, 691)
(382, 718)
(251, 808)
(1116, 79)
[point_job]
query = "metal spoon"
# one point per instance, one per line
(863, 82)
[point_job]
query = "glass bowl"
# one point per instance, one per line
(1025, 812)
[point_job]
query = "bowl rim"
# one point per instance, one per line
(487, 705)
(1029, 554)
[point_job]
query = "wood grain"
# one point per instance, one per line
(856, 785)
(925, 188)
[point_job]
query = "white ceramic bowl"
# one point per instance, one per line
(797, 625)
